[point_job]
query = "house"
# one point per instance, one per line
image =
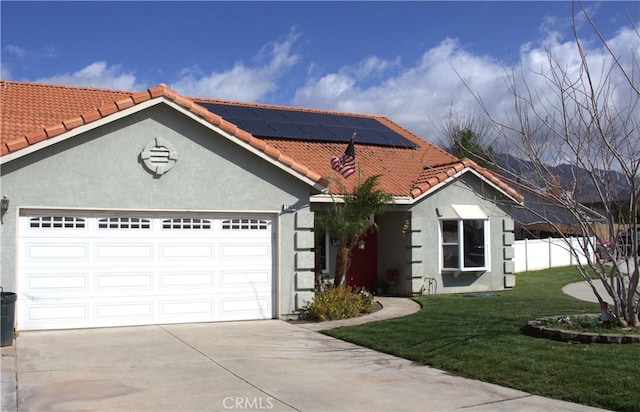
(542, 216)
(134, 208)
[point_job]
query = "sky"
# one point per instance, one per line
(415, 62)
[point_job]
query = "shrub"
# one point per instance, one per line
(339, 303)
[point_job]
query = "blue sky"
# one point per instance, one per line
(400, 59)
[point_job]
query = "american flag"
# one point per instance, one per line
(346, 165)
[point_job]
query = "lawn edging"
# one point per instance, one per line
(538, 328)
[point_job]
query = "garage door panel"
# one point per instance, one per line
(173, 252)
(111, 282)
(187, 280)
(57, 314)
(97, 270)
(118, 251)
(47, 251)
(195, 307)
(234, 279)
(123, 311)
(244, 252)
(245, 307)
(62, 282)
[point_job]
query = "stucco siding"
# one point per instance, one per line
(101, 169)
(467, 190)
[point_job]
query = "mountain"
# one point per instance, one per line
(569, 177)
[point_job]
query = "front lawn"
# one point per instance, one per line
(481, 338)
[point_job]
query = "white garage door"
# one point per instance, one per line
(78, 270)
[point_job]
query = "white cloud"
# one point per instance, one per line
(416, 96)
(243, 82)
(5, 71)
(97, 74)
(15, 50)
(420, 96)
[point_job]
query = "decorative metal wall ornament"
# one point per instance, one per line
(159, 156)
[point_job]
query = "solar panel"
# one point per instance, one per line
(241, 112)
(310, 126)
(285, 130)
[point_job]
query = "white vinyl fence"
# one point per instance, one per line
(538, 254)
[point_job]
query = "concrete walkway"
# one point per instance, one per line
(255, 365)
(391, 308)
(582, 291)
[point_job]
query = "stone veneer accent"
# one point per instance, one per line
(304, 258)
(508, 239)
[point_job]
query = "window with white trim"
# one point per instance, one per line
(124, 223)
(187, 223)
(57, 222)
(464, 239)
(245, 224)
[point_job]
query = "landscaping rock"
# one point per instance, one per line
(538, 328)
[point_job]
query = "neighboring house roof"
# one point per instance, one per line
(542, 208)
(32, 113)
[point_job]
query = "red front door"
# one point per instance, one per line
(363, 271)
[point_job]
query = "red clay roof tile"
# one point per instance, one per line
(108, 109)
(140, 97)
(91, 116)
(124, 103)
(157, 91)
(199, 110)
(17, 144)
(73, 123)
(35, 137)
(55, 130)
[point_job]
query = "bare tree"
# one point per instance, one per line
(585, 116)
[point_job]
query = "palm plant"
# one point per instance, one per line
(350, 218)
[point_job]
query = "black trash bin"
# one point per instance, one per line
(7, 316)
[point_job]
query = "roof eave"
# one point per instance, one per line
(329, 198)
(419, 194)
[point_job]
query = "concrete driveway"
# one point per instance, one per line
(259, 365)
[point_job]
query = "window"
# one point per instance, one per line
(57, 222)
(323, 250)
(124, 223)
(186, 224)
(245, 224)
(464, 237)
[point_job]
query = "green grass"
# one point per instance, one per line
(482, 338)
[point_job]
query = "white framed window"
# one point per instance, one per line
(464, 238)
(187, 224)
(121, 222)
(57, 222)
(245, 224)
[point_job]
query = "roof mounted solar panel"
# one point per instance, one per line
(307, 125)
(284, 130)
(242, 112)
(297, 117)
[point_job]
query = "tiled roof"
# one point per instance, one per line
(31, 113)
(37, 110)
(434, 175)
